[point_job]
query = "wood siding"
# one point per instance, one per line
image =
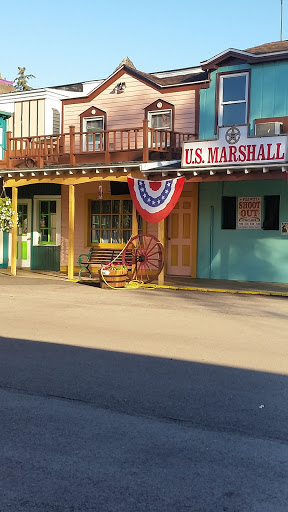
(28, 119)
(127, 109)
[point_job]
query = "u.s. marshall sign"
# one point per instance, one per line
(234, 147)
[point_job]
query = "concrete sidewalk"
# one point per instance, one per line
(178, 283)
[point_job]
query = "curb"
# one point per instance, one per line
(217, 290)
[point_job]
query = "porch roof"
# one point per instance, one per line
(174, 169)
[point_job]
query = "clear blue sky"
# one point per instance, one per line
(68, 41)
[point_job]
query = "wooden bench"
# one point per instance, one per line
(98, 256)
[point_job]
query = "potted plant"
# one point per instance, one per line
(113, 275)
(6, 214)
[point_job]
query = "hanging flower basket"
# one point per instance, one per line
(6, 214)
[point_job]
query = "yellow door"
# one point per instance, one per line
(179, 245)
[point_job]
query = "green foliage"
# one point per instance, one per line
(6, 214)
(20, 82)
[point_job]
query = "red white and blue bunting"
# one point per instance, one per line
(154, 200)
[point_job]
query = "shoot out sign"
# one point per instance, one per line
(249, 212)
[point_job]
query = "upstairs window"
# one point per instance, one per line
(93, 141)
(233, 99)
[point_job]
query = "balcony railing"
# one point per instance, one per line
(121, 145)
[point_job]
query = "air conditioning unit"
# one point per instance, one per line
(268, 129)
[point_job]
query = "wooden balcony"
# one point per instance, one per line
(140, 144)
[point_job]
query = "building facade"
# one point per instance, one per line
(241, 164)
(125, 125)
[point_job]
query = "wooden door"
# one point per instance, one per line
(179, 245)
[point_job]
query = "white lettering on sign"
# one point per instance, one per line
(249, 212)
(246, 150)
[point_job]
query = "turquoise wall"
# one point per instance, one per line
(268, 95)
(241, 254)
(4, 248)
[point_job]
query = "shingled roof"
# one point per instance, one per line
(277, 46)
(6, 86)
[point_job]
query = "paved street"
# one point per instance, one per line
(141, 400)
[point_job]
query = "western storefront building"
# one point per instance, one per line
(69, 186)
(240, 163)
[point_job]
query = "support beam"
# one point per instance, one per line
(14, 231)
(161, 238)
(71, 231)
(134, 221)
(195, 199)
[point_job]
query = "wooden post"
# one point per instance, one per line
(195, 196)
(134, 221)
(8, 150)
(145, 141)
(14, 231)
(71, 231)
(72, 145)
(161, 238)
(106, 145)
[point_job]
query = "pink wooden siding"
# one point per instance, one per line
(127, 109)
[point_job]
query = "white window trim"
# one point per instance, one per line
(36, 233)
(221, 103)
(93, 118)
(165, 111)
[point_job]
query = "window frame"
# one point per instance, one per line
(36, 220)
(116, 245)
(220, 103)
(84, 129)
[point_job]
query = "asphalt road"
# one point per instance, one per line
(144, 400)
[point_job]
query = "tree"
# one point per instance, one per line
(21, 79)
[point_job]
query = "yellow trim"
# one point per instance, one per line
(68, 179)
(161, 238)
(195, 198)
(71, 231)
(14, 231)
(134, 221)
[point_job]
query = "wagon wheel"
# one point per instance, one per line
(144, 257)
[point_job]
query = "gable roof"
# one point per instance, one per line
(274, 51)
(173, 78)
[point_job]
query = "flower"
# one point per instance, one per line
(6, 214)
(114, 266)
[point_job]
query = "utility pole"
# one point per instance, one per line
(281, 22)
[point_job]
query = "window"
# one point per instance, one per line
(271, 213)
(159, 120)
(22, 212)
(56, 121)
(233, 99)
(228, 212)
(110, 221)
(93, 141)
(47, 222)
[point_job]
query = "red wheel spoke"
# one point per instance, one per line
(148, 244)
(152, 248)
(153, 254)
(153, 265)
